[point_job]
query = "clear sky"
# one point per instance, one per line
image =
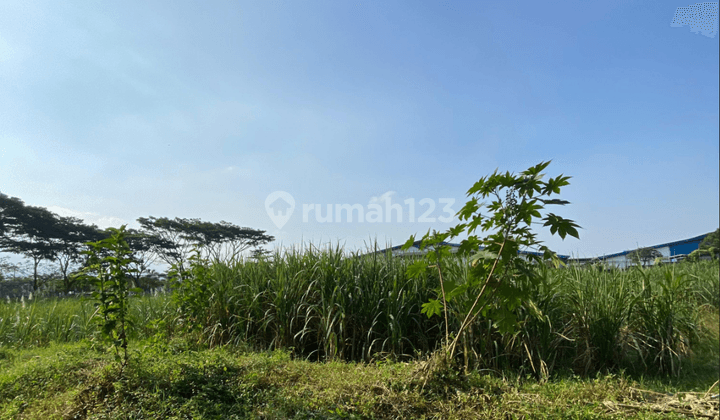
(203, 109)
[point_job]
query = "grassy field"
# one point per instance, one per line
(244, 341)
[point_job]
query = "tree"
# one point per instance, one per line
(27, 230)
(644, 255)
(5, 267)
(225, 241)
(709, 246)
(68, 237)
(40, 234)
(711, 243)
(260, 253)
(178, 237)
(144, 248)
(173, 247)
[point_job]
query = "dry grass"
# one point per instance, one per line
(691, 404)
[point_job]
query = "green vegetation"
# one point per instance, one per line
(709, 247)
(499, 279)
(44, 237)
(251, 352)
(108, 269)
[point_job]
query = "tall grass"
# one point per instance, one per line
(37, 322)
(321, 303)
(666, 319)
(706, 290)
(324, 304)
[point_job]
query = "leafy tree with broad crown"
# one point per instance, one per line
(644, 255)
(27, 230)
(709, 246)
(69, 237)
(178, 237)
(40, 234)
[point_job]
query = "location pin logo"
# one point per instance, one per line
(279, 206)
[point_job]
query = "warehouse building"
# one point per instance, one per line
(671, 252)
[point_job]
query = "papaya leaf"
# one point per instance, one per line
(432, 307)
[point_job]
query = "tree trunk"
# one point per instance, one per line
(64, 269)
(36, 262)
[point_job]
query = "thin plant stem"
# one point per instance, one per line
(465, 322)
(445, 309)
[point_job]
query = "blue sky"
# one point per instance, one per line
(113, 112)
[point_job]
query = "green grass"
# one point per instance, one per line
(73, 381)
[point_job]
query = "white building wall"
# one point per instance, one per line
(665, 251)
(621, 261)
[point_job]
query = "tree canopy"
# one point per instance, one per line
(644, 255)
(711, 241)
(710, 246)
(27, 230)
(41, 235)
(179, 236)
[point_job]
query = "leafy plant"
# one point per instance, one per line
(193, 290)
(108, 270)
(501, 274)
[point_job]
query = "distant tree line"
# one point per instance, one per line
(40, 235)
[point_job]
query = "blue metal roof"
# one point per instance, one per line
(668, 244)
(698, 239)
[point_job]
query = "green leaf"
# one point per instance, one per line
(433, 307)
(457, 230)
(417, 269)
(505, 321)
(562, 226)
(535, 170)
(482, 255)
(454, 291)
(554, 201)
(477, 187)
(467, 211)
(409, 243)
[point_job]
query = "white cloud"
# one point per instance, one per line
(101, 221)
